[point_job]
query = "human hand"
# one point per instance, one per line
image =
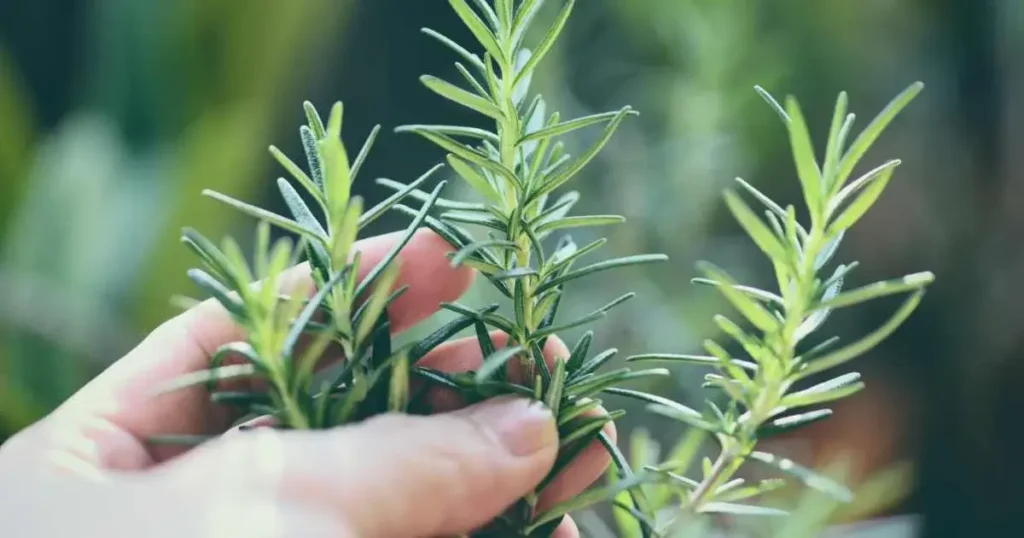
(392, 476)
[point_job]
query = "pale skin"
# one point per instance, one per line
(389, 477)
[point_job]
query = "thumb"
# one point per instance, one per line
(445, 474)
(399, 476)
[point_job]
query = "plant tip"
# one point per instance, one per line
(922, 278)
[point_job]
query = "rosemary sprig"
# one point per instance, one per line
(288, 331)
(515, 170)
(760, 388)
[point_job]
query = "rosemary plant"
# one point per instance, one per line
(515, 169)
(520, 243)
(777, 339)
(288, 331)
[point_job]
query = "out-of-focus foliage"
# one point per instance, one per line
(92, 207)
(812, 512)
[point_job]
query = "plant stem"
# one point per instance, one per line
(771, 393)
(508, 137)
(718, 471)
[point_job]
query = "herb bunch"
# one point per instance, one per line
(780, 353)
(516, 235)
(288, 332)
(515, 169)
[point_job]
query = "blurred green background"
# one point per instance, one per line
(115, 114)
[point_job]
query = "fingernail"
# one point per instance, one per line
(523, 426)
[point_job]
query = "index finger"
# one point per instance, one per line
(122, 394)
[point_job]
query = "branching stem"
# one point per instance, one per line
(770, 392)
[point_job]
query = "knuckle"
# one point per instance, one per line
(456, 462)
(253, 459)
(16, 446)
(467, 469)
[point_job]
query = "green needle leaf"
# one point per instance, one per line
(478, 28)
(589, 318)
(741, 509)
(579, 352)
(310, 144)
(378, 300)
(761, 197)
(594, 364)
(458, 95)
(862, 203)
(475, 180)
(754, 293)
(263, 214)
(495, 362)
(213, 257)
(867, 343)
(301, 322)
(570, 171)
(316, 124)
(180, 440)
(601, 266)
(879, 289)
(677, 408)
(833, 150)
(642, 508)
(803, 156)
(874, 129)
(703, 360)
(473, 59)
(829, 391)
(492, 17)
(593, 385)
(587, 499)
(423, 196)
(553, 398)
(457, 130)
(378, 269)
(578, 222)
(859, 183)
(443, 334)
(207, 376)
(807, 476)
(364, 151)
(404, 190)
(299, 209)
(299, 176)
(469, 250)
(765, 486)
(755, 227)
(398, 392)
(465, 153)
(337, 171)
(747, 306)
(545, 45)
(773, 103)
(527, 11)
(794, 421)
(566, 127)
(480, 90)
(223, 295)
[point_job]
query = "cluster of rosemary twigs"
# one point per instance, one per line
(516, 235)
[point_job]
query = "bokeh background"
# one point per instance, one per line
(115, 114)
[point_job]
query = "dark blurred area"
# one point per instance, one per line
(115, 114)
